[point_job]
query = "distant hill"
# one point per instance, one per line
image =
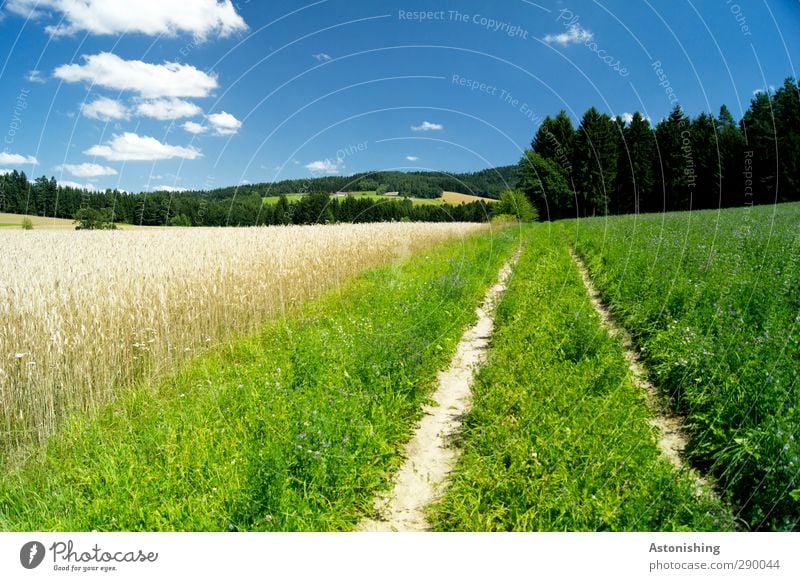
(488, 183)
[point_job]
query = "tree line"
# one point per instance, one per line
(610, 166)
(44, 197)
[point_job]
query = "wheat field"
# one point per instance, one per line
(84, 315)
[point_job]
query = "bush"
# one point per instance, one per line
(91, 219)
(27, 224)
(515, 203)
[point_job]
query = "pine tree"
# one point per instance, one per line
(731, 143)
(595, 162)
(635, 166)
(760, 147)
(555, 140)
(787, 114)
(674, 162)
(705, 151)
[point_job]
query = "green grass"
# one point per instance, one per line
(558, 438)
(370, 195)
(712, 299)
(274, 199)
(292, 429)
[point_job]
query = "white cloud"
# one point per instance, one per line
(412, 158)
(105, 109)
(87, 170)
(133, 147)
(148, 80)
(35, 76)
(771, 90)
(17, 159)
(628, 117)
(77, 186)
(171, 189)
(194, 128)
(224, 123)
(167, 109)
(575, 34)
(323, 57)
(199, 18)
(5, 171)
(427, 126)
(323, 166)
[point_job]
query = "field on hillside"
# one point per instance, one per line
(363, 195)
(713, 301)
(39, 223)
(84, 315)
(456, 198)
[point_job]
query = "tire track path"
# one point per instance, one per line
(430, 457)
(672, 435)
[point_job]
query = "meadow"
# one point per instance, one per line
(713, 301)
(86, 315)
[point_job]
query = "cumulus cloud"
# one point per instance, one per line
(412, 158)
(224, 123)
(105, 109)
(575, 34)
(5, 171)
(427, 126)
(35, 76)
(200, 18)
(167, 109)
(148, 80)
(323, 166)
(628, 117)
(87, 170)
(323, 57)
(17, 159)
(194, 128)
(77, 186)
(133, 147)
(170, 189)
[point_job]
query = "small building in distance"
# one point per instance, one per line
(393, 194)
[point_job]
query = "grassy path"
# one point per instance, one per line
(672, 435)
(429, 455)
(294, 428)
(559, 437)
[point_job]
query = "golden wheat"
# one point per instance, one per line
(84, 315)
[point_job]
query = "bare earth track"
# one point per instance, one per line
(429, 455)
(672, 438)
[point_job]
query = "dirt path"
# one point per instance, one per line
(429, 456)
(672, 437)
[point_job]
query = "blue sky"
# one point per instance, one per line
(205, 93)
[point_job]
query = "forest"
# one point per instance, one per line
(613, 166)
